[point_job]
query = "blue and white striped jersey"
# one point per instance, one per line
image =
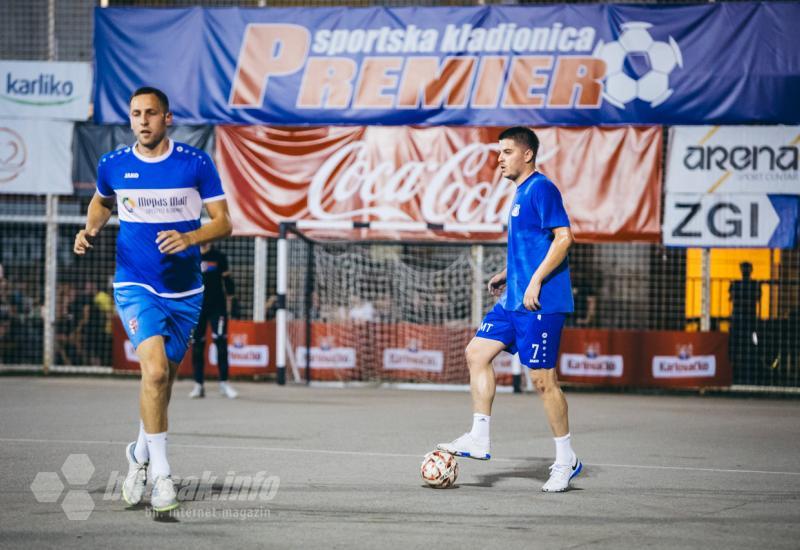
(158, 194)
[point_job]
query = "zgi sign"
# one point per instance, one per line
(732, 186)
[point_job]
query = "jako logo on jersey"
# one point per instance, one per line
(129, 204)
(131, 175)
(515, 212)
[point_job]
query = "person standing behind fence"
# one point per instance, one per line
(219, 289)
(160, 188)
(745, 296)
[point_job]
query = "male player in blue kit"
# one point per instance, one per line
(530, 314)
(160, 188)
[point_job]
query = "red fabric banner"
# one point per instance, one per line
(610, 178)
(251, 348)
(632, 358)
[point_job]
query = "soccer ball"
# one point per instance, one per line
(439, 469)
(653, 87)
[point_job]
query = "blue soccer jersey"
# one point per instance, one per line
(158, 194)
(536, 211)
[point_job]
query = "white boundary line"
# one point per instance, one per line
(384, 455)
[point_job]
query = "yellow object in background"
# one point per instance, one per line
(725, 269)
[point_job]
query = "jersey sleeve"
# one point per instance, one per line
(551, 207)
(208, 181)
(104, 188)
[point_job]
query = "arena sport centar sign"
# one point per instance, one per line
(732, 186)
(491, 65)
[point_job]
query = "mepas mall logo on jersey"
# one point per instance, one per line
(684, 364)
(162, 202)
(591, 363)
(159, 205)
(129, 204)
(413, 358)
(638, 66)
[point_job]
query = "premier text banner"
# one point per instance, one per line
(498, 65)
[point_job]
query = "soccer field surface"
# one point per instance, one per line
(339, 468)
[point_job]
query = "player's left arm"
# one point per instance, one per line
(172, 242)
(562, 241)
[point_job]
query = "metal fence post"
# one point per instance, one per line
(477, 284)
(50, 278)
(260, 279)
(705, 291)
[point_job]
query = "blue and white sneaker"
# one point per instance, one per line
(135, 481)
(468, 447)
(561, 475)
(164, 498)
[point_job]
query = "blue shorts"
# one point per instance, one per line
(145, 314)
(535, 336)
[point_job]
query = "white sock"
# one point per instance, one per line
(564, 452)
(140, 449)
(480, 427)
(157, 446)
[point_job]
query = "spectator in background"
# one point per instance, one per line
(584, 295)
(67, 352)
(7, 345)
(361, 309)
(745, 297)
(99, 325)
(219, 290)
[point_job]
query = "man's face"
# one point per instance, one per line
(514, 159)
(148, 120)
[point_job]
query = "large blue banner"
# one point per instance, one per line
(564, 64)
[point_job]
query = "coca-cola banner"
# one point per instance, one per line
(610, 178)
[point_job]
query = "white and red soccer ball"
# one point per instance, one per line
(439, 469)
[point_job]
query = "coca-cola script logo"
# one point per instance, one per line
(449, 191)
(13, 155)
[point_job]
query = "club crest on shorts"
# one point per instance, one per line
(133, 324)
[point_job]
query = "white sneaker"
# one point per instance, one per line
(560, 476)
(468, 447)
(227, 391)
(164, 497)
(197, 391)
(135, 481)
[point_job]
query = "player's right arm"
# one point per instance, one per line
(97, 216)
(497, 283)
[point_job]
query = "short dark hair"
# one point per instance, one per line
(161, 96)
(522, 136)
